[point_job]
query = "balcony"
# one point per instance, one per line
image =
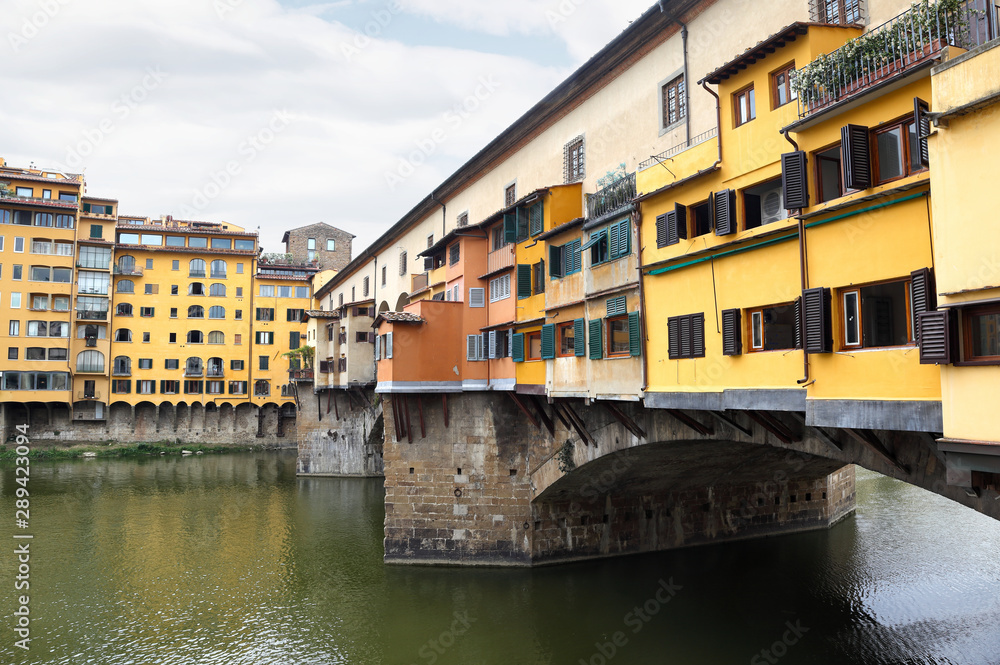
(121, 371)
(887, 53)
(127, 271)
(215, 373)
(194, 373)
(500, 259)
(90, 368)
(197, 273)
(616, 197)
(87, 394)
(679, 148)
(300, 374)
(418, 282)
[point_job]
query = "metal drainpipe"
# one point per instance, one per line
(687, 92)
(642, 302)
(803, 274)
(718, 119)
(444, 214)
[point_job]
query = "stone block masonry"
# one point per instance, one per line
(340, 434)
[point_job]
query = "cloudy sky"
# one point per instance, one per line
(274, 114)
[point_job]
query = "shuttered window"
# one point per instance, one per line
(522, 224)
(596, 341)
(402, 268)
(475, 348)
(634, 335)
(816, 320)
(938, 337)
(922, 127)
(477, 297)
(538, 277)
(923, 296)
(536, 222)
(555, 261)
(500, 288)
(548, 341)
(686, 336)
(491, 344)
(795, 180)
(579, 345)
(509, 227)
(620, 239)
(855, 155)
(517, 347)
(732, 332)
(454, 253)
(616, 306)
(676, 224)
(564, 260)
(725, 212)
(523, 281)
(662, 235)
(388, 346)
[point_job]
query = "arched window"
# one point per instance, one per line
(196, 312)
(219, 269)
(123, 309)
(90, 361)
(261, 388)
(192, 367)
(195, 337)
(126, 286)
(123, 335)
(196, 289)
(216, 337)
(126, 265)
(216, 312)
(215, 367)
(122, 366)
(217, 290)
(196, 268)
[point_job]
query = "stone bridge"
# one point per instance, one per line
(507, 479)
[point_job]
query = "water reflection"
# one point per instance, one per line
(232, 559)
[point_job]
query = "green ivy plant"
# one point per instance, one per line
(926, 20)
(565, 457)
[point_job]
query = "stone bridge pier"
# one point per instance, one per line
(503, 479)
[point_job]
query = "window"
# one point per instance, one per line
(981, 328)
(39, 274)
(264, 337)
(686, 336)
(121, 386)
(744, 106)
(196, 268)
(762, 204)
(352, 295)
(828, 175)
(60, 303)
(538, 277)
(34, 353)
(147, 311)
(152, 289)
(618, 342)
(673, 102)
(567, 339)
(123, 335)
(95, 257)
(15, 301)
(11, 353)
(216, 337)
(262, 362)
(200, 243)
(14, 328)
(195, 337)
(58, 354)
(261, 388)
(239, 268)
(219, 269)
(402, 263)
(25, 191)
(96, 231)
(838, 12)
(122, 366)
(145, 387)
(216, 312)
(384, 271)
(126, 286)
(192, 367)
(598, 246)
(18, 245)
(194, 289)
(533, 345)
(331, 245)
(193, 387)
(17, 273)
(239, 291)
(294, 314)
(877, 315)
(265, 314)
(454, 253)
(175, 265)
(701, 219)
(145, 337)
(170, 387)
(173, 338)
(222, 243)
(500, 288)
(62, 275)
(237, 387)
(245, 245)
(90, 361)
(217, 290)
(171, 363)
(149, 264)
(574, 162)
(509, 195)
(897, 151)
(236, 365)
(196, 312)
(39, 302)
(145, 363)
(772, 328)
(238, 315)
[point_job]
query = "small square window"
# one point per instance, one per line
(145, 336)
(510, 195)
(173, 338)
(744, 106)
(331, 245)
(782, 90)
(149, 264)
(239, 268)
(96, 231)
(175, 265)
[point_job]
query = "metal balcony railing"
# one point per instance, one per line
(193, 372)
(196, 273)
(680, 147)
(215, 373)
(121, 371)
(500, 259)
(127, 270)
(300, 374)
(610, 199)
(893, 49)
(90, 368)
(88, 394)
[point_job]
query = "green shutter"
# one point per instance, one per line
(522, 224)
(596, 340)
(509, 227)
(579, 345)
(523, 281)
(548, 341)
(614, 241)
(536, 223)
(556, 268)
(517, 347)
(634, 346)
(616, 306)
(626, 237)
(571, 257)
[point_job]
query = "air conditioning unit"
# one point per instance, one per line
(772, 207)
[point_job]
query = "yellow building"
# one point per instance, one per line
(181, 313)
(39, 213)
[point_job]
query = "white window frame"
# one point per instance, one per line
(856, 293)
(500, 288)
(477, 297)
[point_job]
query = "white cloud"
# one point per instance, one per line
(79, 85)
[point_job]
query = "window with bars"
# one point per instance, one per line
(402, 264)
(454, 253)
(510, 195)
(463, 220)
(574, 160)
(673, 100)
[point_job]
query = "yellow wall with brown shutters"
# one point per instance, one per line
(964, 163)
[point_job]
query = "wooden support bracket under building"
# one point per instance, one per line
(420, 406)
(336, 409)
(578, 424)
(822, 433)
(691, 422)
(406, 408)
(773, 426)
(524, 409)
(444, 407)
(870, 440)
(623, 418)
(726, 420)
(540, 408)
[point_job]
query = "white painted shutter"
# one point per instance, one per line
(477, 297)
(470, 347)
(457, 294)
(378, 347)
(491, 344)
(388, 346)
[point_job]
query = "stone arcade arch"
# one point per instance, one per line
(145, 420)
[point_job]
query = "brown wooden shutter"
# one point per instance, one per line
(697, 335)
(938, 337)
(661, 231)
(672, 238)
(674, 337)
(922, 126)
(725, 212)
(685, 333)
(680, 221)
(795, 180)
(817, 329)
(732, 332)
(855, 153)
(923, 296)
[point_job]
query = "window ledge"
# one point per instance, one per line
(671, 127)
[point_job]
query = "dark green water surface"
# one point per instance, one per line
(231, 559)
